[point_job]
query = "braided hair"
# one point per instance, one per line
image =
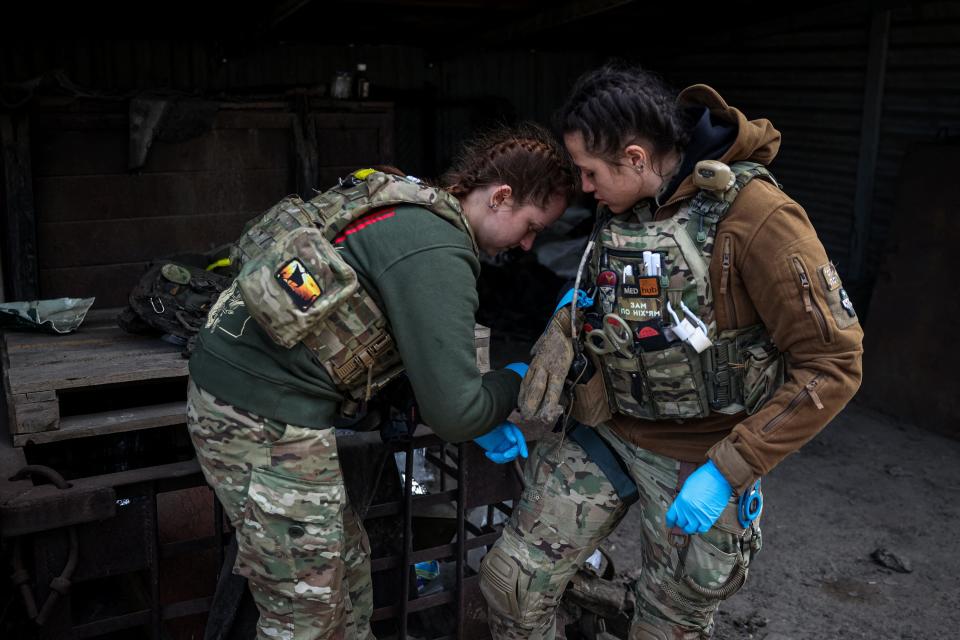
(616, 105)
(525, 157)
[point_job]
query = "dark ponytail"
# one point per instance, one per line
(614, 106)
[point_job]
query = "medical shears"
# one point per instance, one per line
(614, 336)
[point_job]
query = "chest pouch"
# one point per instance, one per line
(652, 268)
(294, 284)
(654, 276)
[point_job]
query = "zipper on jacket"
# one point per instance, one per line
(673, 201)
(811, 388)
(809, 391)
(725, 262)
(809, 304)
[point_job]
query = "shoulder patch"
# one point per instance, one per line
(830, 276)
(299, 283)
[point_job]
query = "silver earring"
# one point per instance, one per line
(639, 168)
(493, 206)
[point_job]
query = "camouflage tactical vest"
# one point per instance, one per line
(654, 375)
(299, 289)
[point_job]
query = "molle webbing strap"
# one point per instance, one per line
(719, 375)
(723, 364)
(335, 206)
(609, 462)
(355, 369)
(710, 208)
(353, 198)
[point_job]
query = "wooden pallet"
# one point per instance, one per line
(40, 370)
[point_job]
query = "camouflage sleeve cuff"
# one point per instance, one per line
(731, 464)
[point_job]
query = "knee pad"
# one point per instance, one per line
(500, 583)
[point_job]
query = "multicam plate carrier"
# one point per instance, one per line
(299, 289)
(741, 369)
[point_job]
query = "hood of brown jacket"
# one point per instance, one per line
(757, 140)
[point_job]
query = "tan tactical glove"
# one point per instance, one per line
(542, 388)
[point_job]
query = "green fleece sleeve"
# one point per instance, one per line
(430, 297)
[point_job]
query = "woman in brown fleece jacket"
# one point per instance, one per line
(689, 469)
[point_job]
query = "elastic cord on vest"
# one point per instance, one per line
(576, 290)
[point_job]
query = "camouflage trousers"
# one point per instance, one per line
(301, 546)
(568, 508)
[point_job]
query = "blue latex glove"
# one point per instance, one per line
(701, 500)
(583, 300)
(519, 368)
(503, 443)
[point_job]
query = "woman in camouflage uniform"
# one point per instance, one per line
(260, 414)
(706, 278)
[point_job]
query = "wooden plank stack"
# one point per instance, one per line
(39, 370)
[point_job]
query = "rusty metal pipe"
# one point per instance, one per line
(44, 472)
(461, 537)
(60, 586)
(407, 538)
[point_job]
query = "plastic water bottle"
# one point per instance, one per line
(426, 571)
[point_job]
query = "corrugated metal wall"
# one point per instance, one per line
(206, 66)
(98, 225)
(921, 104)
(521, 84)
(809, 83)
(807, 74)
(808, 77)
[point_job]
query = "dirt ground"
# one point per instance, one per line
(867, 482)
